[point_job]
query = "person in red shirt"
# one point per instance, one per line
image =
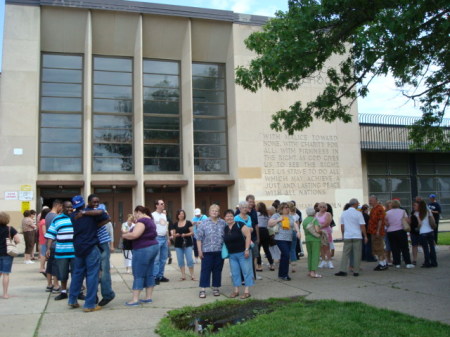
(376, 229)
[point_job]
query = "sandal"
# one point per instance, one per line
(216, 292)
(245, 296)
(315, 276)
(202, 294)
(234, 295)
(272, 268)
(259, 269)
(182, 278)
(193, 278)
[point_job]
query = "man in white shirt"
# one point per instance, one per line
(353, 229)
(162, 230)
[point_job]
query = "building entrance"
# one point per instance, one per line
(206, 196)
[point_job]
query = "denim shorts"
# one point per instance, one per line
(6, 264)
(42, 250)
(64, 266)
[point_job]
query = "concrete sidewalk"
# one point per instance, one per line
(32, 312)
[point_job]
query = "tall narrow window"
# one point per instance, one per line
(60, 147)
(161, 116)
(112, 108)
(210, 125)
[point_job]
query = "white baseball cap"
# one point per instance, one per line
(197, 211)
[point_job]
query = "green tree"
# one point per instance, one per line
(406, 38)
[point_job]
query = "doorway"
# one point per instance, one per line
(206, 196)
(118, 202)
(50, 194)
(171, 197)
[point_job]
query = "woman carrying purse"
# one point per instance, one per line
(6, 261)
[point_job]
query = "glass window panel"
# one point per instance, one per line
(162, 81)
(112, 150)
(425, 158)
(112, 164)
(112, 122)
(60, 135)
(209, 124)
(60, 104)
(208, 70)
(61, 120)
(425, 184)
(400, 185)
(165, 123)
(61, 149)
(169, 108)
(378, 185)
(112, 91)
(119, 136)
(210, 151)
(443, 183)
(425, 169)
(161, 67)
(213, 138)
(206, 96)
(62, 61)
(110, 105)
(59, 75)
(60, 164)
(377, 169)
(106, 77)
(157, 136)
(61, 89)
(443, 169)
(161, 164)
(161, 151)
(161, 94)
(208, 83)
(204, 109)
(210, 165)
(114, 64)
(399, 168)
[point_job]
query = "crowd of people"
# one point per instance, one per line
(76, 239)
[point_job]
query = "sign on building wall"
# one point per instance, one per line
(25, 206)
(11, 195)
(26, 193)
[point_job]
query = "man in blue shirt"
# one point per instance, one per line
(87, 254)
(436, 210)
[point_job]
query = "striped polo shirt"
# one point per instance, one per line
(61, 230)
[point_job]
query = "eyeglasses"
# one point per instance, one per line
(161, 204)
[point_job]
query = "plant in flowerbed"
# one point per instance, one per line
(294, 317)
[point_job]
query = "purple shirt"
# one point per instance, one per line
(394, 219)
(147, 238)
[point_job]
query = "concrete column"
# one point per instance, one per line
(87, 116)
(187, 125)
(138, 148)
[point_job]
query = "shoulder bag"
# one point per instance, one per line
(405, 224)
(431, 221)
(11, 248)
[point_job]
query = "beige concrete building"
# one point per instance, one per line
(137, 101)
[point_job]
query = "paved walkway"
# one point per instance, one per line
(32, 312)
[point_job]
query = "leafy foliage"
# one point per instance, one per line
(407, 38)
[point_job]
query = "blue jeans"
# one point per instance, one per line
(293, 252)
(89, 266)
(185, 252)
(105, 278)
(161, 258)
(212, 263)
(142, 263)
(429, 252)
(6, 264)
(285, 249)
(239, 264)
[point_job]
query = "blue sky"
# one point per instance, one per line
(384, 97)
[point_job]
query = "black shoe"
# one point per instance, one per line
(61, 296)
(356, 274)
(156, 281)
(341, 273)
(49, 289)
(287, 278)
(380, 267)
(105, 301)
(170, 261)
(425, 266)
(81, 297)
(434, 265)
(163, 279)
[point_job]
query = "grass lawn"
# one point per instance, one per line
(444, 238)
(313, 318)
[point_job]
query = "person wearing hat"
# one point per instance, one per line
(436, 210)
(196, 220)
(87, 253)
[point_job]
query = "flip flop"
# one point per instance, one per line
(193, 278)
(245, 296)
(146, 301)
(234, 295)
(131, 304)
(316, 276)
(182, 278)
(259, 269)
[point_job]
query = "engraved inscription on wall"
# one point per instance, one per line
(300, 165)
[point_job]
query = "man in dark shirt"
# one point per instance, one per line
(87, 254)
(435, 208)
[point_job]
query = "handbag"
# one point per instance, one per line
(11, 248)
(225, 254)
(405, 224)
(432, 222)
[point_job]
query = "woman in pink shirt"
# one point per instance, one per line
(397, 236)
(42, 240)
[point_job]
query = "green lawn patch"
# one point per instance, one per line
(444, 238)
(295, 317)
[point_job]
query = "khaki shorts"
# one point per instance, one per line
(378, 246)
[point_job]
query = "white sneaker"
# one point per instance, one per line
(29, 262)
(323, 264)
(397, 266)
(258, 277)
(410, 266)
(420, 250)
(330, 265)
